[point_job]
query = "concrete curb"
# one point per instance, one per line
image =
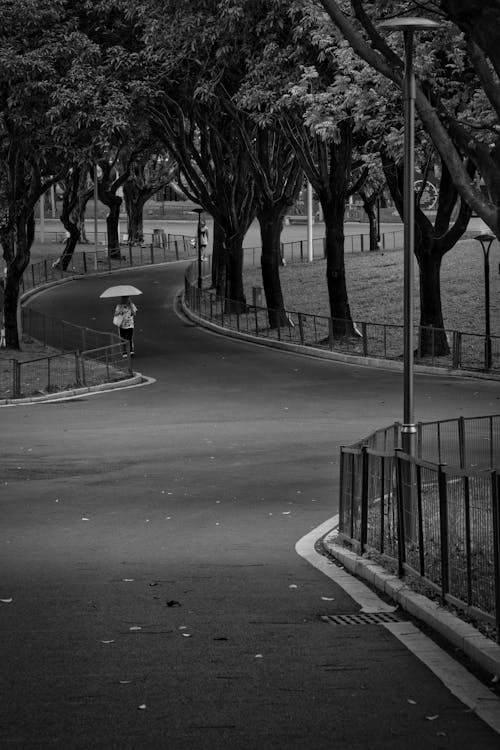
(137, 379)
(350, 359)
(482, 652)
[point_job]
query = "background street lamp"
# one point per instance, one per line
(199, 211)
(485, 240)
(408, 26)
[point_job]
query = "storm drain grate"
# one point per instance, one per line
(361, 618)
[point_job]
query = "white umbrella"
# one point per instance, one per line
(124, 290)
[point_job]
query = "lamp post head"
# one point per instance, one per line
(485, 239)
(198, 211)
(410, 23)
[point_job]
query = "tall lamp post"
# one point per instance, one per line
(408, 26)
(199, 211)
(485, 240)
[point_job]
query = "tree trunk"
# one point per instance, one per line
(69, 248)
(271, 223)
(83, 199)
(235, 295)
(433, 340)
(16, 245)
(135, 200)
(333, 209)
(112, 222)
(218, 260)
(69, 218)
(370, 206)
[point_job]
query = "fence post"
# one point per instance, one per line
(301, 327)
(443, 527)
(330, 333)
(16, 378)
(418, 445)
(46, 269)
(461, 442)
(457, 350)
(400, 514)
(495, 496)
(77, 368)
(341, 490)
(421, 551)
(364, 499)
(365, 339)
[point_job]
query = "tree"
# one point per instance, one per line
(285, 88)
(32, 67)
(148, 175)
(74, 185)
(279, 176)
(473, 133)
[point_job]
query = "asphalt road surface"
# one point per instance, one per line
(151, 594)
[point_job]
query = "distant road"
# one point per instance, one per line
(291, 233)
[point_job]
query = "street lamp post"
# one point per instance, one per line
(199, 211)
(485, 240)
(408, 26)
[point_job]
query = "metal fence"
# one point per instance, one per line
(353, 243)
(466, 442)
(61, 372)
(61, 334)
(439, 521)
(165, 248)
(365, 339)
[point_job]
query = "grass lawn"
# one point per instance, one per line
(375, 287)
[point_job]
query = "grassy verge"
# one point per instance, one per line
(375, 287)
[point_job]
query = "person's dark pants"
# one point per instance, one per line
(128, 335)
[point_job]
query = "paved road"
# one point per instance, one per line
(147, 543)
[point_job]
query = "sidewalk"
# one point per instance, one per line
(483, 652)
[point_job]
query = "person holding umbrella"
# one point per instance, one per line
(125, 311)
(124, 318)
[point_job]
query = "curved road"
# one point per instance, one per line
(151, 592)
